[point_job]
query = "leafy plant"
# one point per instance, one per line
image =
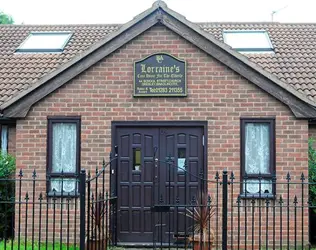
(312, 173)
(5, 18)
(99, 214)
(7, 165)
(7, 193)
(201, 214)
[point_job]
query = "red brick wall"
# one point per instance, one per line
(216, 94)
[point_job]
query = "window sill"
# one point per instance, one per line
(62, 195)
(258, 196)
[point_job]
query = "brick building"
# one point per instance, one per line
(247, 104)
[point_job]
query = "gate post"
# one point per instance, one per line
(225, 211)
(82, 192)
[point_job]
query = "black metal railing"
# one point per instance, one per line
(33, 217)
(277, 217)
(216, 213)
(268, 220)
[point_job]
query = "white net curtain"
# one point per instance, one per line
(4, 138)
(64, 156)
(257, 156)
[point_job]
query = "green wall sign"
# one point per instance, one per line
(160, 75)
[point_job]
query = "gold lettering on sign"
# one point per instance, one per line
(160, 75)
(159, 58)
(160, 69)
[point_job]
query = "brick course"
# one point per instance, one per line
(216, 94)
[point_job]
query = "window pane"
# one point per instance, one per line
(69, 185)
(181, 159)
(137, 159)
(64, 150)
(4, 138)
(248, 40)
(257, 148)
(253, 186)
(45, 41)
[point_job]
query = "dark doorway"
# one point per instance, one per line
(144, 177)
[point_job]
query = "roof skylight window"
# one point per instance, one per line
(45, 42)
(248, 40)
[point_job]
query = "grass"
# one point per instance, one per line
(57, 246)
(50, 246)
(36, 246)
(43, 246)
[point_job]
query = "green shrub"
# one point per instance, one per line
(312, 172)
(7, 165)
(7, 194)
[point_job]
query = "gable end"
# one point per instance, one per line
(300, 106)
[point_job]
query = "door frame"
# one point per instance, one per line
(115, 125)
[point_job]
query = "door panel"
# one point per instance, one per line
(141, 185)
(177, 144)
(135, 183)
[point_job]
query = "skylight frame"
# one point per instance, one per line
(250, 49)
(45, 50)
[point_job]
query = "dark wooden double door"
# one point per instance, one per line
(143, 182)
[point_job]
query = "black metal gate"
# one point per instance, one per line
(182, 219)
(98, 207)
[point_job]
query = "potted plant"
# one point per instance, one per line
(201, 214)
(98, 215)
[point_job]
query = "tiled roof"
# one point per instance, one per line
(293, 61)
(18, 71)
